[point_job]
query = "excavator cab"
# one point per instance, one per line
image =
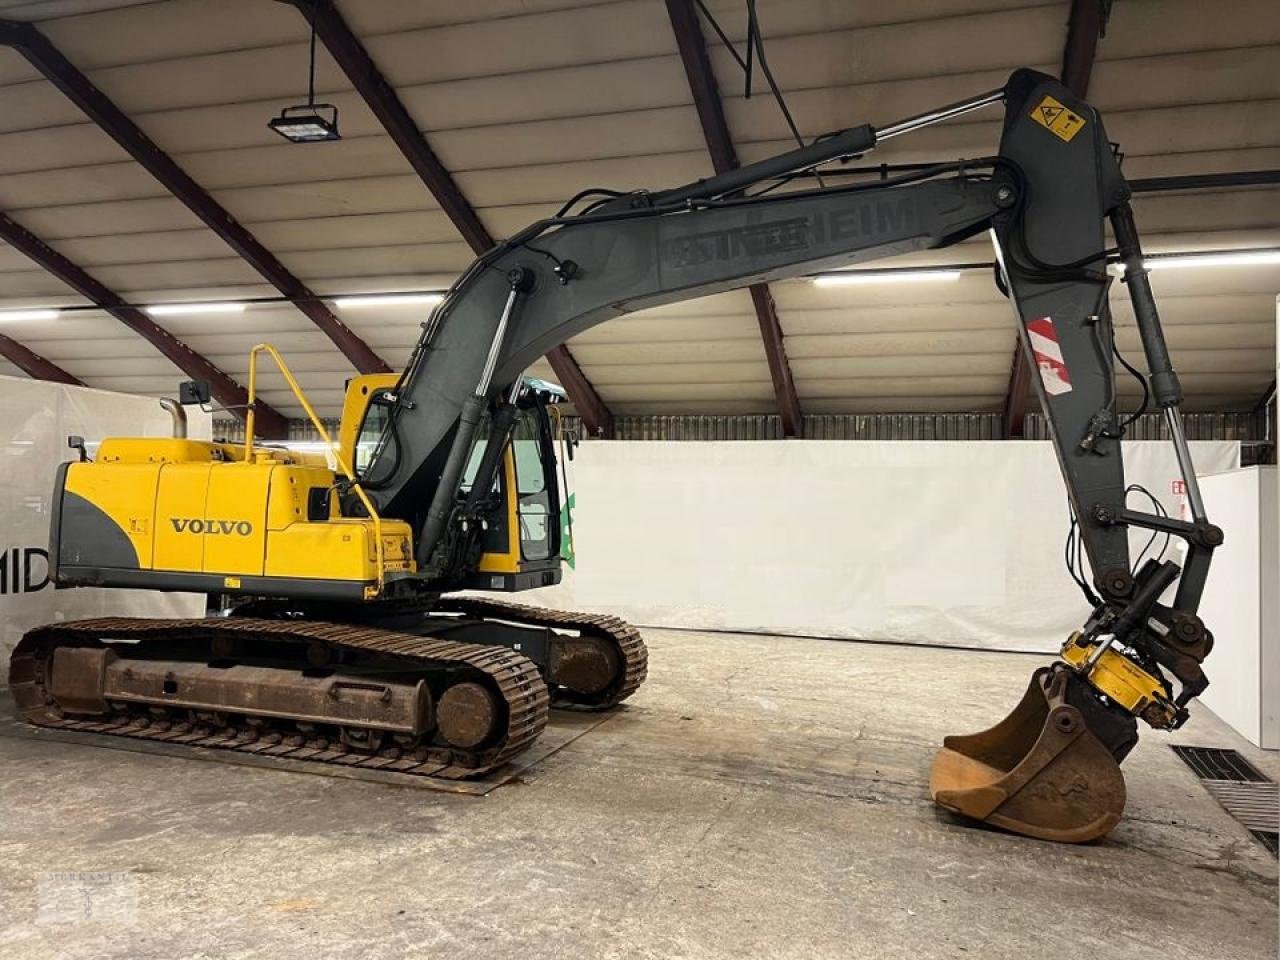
(518, 544)
(521, 541)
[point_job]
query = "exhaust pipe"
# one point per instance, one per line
(179, 415)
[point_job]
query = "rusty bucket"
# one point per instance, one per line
(1040, 771)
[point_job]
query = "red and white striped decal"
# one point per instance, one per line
(1044, 345)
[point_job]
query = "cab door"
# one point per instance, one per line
(537, 493)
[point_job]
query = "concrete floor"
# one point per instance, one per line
(760, 797)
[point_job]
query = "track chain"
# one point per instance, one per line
(513, 677)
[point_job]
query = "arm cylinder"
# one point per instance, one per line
(846, 143)
(1164, 381)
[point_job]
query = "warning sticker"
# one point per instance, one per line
(1048, 353)
(1057, 119)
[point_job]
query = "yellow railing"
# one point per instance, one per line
(379, 549)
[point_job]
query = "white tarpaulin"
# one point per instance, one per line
(924, 542)
(38, 418)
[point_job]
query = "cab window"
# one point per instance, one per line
(534, 507)
(376, 417)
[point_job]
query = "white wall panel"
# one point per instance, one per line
(934, 543)
(1239, 603)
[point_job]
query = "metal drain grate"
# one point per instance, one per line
(1212, 763)
(1242, 789)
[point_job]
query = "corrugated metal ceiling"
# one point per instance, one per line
(528, 101)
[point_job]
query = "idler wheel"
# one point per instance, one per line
(584, 665)
(467, 715)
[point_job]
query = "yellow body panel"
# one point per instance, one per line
(180, 497)
(234, 519)
(290, 489)
(194, 507)
(126, 492)
(337, 550)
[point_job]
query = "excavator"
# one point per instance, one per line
(351, 632)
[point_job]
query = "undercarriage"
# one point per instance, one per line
(454, 691)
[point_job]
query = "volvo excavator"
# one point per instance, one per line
(346, 637)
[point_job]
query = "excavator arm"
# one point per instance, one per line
(1045, 201)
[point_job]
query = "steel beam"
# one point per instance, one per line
(775, 352)
(64, 75)
(596, 418)
(724, 157)
(34, 365)
(271, 423)
(1085, 24)
(350, 54)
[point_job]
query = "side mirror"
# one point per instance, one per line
(193, 392)
(77, 443)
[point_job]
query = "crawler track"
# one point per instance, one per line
(622, 636)
(513, 678)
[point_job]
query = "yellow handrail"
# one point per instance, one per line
(379, 549)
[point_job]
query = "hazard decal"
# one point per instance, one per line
(1048, 354)
(1055, 117)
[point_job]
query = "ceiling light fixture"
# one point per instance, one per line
(1209, 258)
(308, 122)
(36, 314)
(387, 300)
(186, 309)
(1225, 258)
(845, 278)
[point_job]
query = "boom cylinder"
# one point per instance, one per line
(500, 425)
(442, 501)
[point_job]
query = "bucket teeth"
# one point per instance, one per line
(1043, 770)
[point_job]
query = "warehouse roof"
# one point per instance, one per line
(526, 102)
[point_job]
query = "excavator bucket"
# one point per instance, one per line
(1040, 771)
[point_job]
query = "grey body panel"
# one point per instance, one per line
(83, 535)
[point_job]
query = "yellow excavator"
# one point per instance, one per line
(347, 638)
